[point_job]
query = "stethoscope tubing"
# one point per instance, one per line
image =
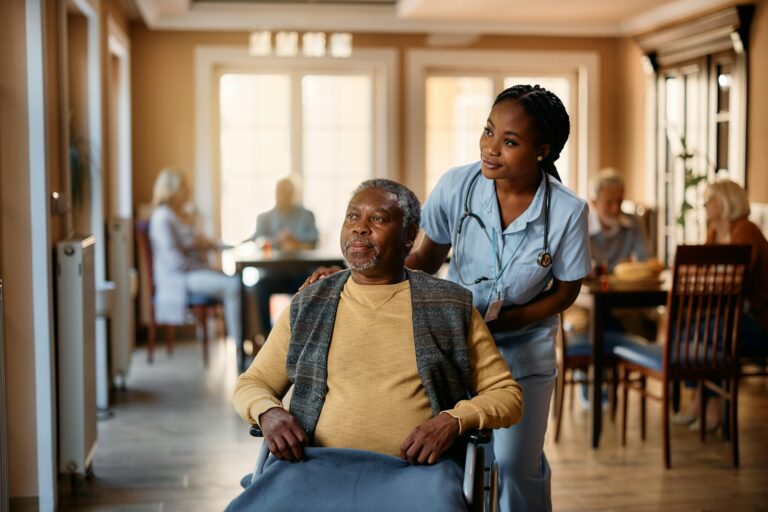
(544, 258)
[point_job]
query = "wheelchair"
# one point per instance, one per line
(480, 484)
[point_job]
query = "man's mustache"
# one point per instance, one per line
(358, 239)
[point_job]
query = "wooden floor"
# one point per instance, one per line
(175, 444)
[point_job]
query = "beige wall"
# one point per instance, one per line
(163, 92)
(757, 150)
(15, 246)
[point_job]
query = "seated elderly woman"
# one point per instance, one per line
(388, 366)
(179, 256)
(727, 209)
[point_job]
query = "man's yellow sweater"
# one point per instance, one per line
(375, 395)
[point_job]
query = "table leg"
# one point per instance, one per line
(596, 332)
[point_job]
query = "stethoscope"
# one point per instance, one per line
(544, 258)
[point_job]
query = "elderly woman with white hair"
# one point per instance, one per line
(180, 265)
(727, 209)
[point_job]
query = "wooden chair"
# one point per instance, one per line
(576, 354)
(201, 306)
(704, 307)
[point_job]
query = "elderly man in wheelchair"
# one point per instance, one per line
(389, 368)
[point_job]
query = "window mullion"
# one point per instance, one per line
(297, 124)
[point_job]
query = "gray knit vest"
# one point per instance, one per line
(441, 319)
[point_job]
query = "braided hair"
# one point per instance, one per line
(549, 116)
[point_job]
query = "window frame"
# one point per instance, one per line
(585, 66)
(211, 62)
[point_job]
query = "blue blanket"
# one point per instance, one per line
(339, 480)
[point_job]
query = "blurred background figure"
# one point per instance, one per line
(286, 227)
(180, 258)
(614, 236)
(727, 208)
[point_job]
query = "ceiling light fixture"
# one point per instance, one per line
(313, 44)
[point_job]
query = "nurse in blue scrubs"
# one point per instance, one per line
(521, 244)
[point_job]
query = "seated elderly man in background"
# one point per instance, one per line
(286, 227)
(614, 236)
(389, 367)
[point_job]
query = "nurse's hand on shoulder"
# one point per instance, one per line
(320, 273)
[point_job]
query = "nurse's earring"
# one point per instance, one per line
(540, 158)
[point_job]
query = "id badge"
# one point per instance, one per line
(493, 310)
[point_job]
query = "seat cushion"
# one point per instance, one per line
(578, 344)
(645, 354)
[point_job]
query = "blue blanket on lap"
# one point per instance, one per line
(339, 480)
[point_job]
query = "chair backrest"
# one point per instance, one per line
(704, 307)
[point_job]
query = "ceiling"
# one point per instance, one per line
(460, 17)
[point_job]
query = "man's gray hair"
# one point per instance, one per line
(407, 201)
(608, 177)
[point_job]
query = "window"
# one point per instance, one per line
(452, 93)
(256, 120)
(328, 143)
(700, 94)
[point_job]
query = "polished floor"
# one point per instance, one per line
(174, 443)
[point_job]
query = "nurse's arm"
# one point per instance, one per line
(429, 256)
(548, 303)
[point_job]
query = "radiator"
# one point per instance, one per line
(4, 492)
(122, 273)
(76, 312)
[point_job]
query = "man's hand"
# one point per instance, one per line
(284, 436)
(427, 442)
(320, 273)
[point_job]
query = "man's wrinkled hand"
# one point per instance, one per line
(284, 436)
(318, 274)
(427, 442)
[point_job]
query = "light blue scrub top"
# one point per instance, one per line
(531, 349)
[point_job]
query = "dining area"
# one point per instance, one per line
(578, 187)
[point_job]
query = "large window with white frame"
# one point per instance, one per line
(316, 126)
(457, 107)
(699, 88)
(328, 122)
(451, 94)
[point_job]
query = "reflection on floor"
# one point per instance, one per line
(175, 444)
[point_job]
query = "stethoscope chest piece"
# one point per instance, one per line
(544, 259)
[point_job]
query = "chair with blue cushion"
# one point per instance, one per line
(575, 353)
(201, 306)
(704, 307)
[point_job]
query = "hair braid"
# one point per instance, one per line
(549, 116)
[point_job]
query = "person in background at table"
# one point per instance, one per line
(520, 243)
(727, 209)
(614, 236)
(179, 256)
(286, 227)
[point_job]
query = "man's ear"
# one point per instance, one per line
(411, 232)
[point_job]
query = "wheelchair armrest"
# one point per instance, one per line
(480, 436)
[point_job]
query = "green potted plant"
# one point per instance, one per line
(690, 181)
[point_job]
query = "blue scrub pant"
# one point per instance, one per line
(525, 480)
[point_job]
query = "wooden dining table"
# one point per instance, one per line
(600, 298)
(299, 261)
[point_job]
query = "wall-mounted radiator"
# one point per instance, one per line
(3, 415)
(76, 311)
(122, 273)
